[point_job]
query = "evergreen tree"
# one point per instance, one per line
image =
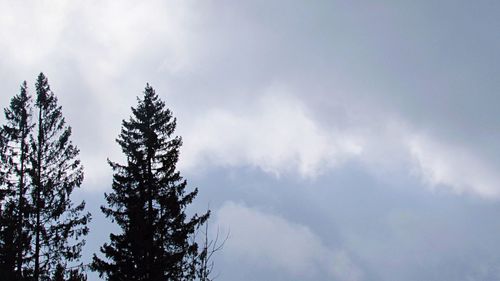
(58, 224)
(7, 245)
(148, 202)
(15, 150)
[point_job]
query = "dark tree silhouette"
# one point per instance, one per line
(148, 202)
(15, 150)
(58, 225)
(40, 228)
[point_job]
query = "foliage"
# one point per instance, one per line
(40, 171)
(148, 202)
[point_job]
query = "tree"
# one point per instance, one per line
(148, 201)
(14, 153)
(58, 224)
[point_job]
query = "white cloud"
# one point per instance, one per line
(98, 49)
(268, 240)
(274, 133)
(96, 53)
(101, 33)
(277, 134)
(395, 150)
(453, 166)
(26, 25)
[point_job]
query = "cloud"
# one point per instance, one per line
(274, 133)
(107, 34)
(278, 134)
(295, 90)
(445, 164)
(98, 56)
(268, 240)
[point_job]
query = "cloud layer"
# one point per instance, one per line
(376, 118)
(258, 98)
(269, 240)
(274, 133)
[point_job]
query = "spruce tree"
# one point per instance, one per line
(148, 201)
(58, 224)
(15, 150)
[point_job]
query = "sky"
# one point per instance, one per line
(332, 140)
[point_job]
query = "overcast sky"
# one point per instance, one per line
(335, 140)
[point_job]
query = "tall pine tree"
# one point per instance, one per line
(15, 151)
(40, 228)
(58, 224)
(148, 202)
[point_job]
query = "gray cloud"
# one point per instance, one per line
(268, 240)
(394, 100)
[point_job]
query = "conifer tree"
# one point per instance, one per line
(148, 201)
(58, 224)
(15, 151)
(40, 228)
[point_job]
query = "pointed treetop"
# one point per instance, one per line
(17, 102)
(18, 112)
(44, 94)
(42, 81)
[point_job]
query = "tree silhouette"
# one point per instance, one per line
(148, 202)
(56, 171)
(15, 151)
(40, 228)
(14, 233)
